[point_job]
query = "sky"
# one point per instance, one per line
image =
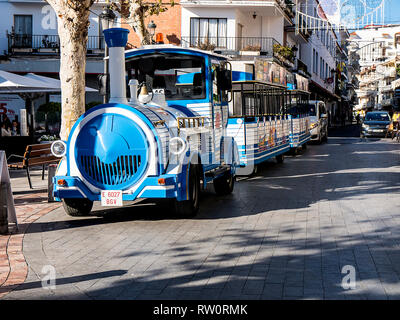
(352, 13)
(392, 14)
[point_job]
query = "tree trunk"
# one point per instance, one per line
(72, 76)
(73, 23)
(136, 21)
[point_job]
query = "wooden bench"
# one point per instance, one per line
(35, 155)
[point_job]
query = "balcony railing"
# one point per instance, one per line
(49, 44)
(264, 45)
(386, 88)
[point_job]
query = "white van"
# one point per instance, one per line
(318, 120)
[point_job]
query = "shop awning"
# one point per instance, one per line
(13, 83)
(52, 82)
(30, 83)
(317, 89)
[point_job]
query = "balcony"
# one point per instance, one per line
(287, 6)
(390, 73)
(386, 88)
(388, 102)
(22, 44)
(233, 45)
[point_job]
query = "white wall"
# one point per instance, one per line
(260, 27)
(228, 13)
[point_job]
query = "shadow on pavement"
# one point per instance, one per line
(291, 256)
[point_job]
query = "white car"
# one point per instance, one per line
(318, 120)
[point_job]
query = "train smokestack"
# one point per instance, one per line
(116, 39)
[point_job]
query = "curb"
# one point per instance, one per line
(13, 266)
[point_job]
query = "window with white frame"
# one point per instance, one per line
(208, 31)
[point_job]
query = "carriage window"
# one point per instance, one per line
(181, 76)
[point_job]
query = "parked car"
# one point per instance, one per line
(375, 124)
(318, 120)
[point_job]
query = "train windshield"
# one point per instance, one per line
(181, 76)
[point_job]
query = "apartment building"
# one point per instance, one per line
(320, 55)
(247, 31)
(378, 50)
(271, 29)
(29, 41)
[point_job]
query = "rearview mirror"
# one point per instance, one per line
(224, 80)
(103, 84)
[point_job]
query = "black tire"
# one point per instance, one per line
(280, 158)
(293, 152)
(77, 207)
(224, 185)
(304, 146)
(255, 170)
(189, 208)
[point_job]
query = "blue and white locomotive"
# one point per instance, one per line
(168, 141)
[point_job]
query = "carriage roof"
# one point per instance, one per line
(237, 85)
(173, 49)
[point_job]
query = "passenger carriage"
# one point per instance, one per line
(297, 101)
(168, 141)
(267, 114)
(258, 122)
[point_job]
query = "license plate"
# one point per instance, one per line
(111, 198)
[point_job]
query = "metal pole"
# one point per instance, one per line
(3, 208)
(51, 173)
(106, 71)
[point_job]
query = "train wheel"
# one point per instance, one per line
(189, 208)
(280, 158)
(224, 185)
(77, 207)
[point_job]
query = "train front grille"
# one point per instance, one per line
(111, 174)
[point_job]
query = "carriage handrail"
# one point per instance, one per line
(191, 122)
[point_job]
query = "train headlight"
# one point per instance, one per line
(177, 146)
(59, 148)
(313, 125)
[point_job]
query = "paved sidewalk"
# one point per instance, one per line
(30, 205)
(285, 233)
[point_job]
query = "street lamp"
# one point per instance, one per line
(107, 18)
(152, 29)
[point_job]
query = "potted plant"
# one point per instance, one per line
(206, 46)
(47, 138)
(252, 50)
(283, 53)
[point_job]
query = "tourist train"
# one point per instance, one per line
(189, 118)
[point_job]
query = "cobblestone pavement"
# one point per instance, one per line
(285, 233)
